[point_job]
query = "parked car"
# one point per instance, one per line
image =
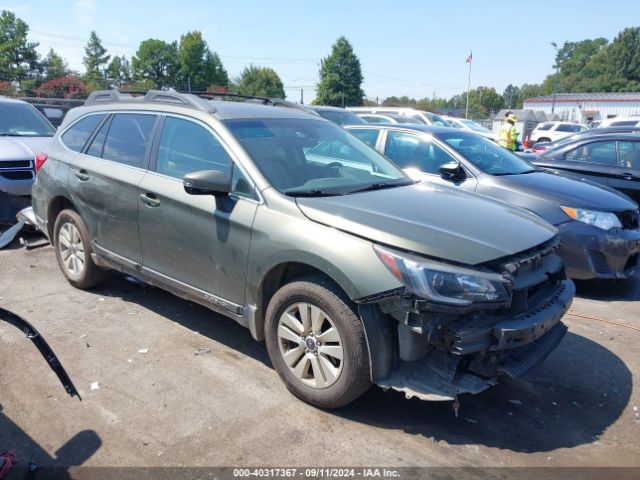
(23, 132)
(384, 118)
(598, 227)
(471, 126)
(620, 122)
(611, 159)
(337, 115)
(542, 146)
(550, 131)
(420, 116)
(294, 228)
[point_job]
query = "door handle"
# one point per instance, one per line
(626, 176)
(150, 200)
(82, 175)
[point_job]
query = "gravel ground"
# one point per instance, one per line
(204, 393)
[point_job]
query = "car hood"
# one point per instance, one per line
(545, 192)
(436, 221)
(21, 148)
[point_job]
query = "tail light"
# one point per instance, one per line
(40, 159)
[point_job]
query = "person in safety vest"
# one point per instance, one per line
(508, 134)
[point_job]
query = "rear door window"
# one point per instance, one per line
(128, 138)
(78, 134)
(367, 135)
(186, 147)
(603, 153)
(544, 126)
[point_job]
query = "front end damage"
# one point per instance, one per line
(436, 352)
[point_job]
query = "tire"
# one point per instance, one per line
(332, 368)
(73, 251)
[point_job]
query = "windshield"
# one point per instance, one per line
(341, 117)
(313, 157)
(476, 127)
(438, 120)
(22, 120)
(486, 155)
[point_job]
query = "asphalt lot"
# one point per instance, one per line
(205, 394)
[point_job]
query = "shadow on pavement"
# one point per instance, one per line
(569, 400)
(188, 314)
(627, 290)
(73, 453)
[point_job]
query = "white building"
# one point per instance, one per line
(587, 107)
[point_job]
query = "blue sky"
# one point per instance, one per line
(412, 48)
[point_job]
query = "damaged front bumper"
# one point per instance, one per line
(590, 252)
(436, 352)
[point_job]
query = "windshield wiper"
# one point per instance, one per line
(314, 192)
(380, 186)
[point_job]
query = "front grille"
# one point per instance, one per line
(628, 219)
(15, 164)
(17, 174)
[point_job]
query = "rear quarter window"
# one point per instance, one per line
(77, 135)
(128, 138)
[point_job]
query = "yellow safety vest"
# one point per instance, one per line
(508, 136)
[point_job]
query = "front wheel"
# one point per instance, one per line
(317, 344)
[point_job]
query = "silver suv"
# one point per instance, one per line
(24, 131)
(350, 271)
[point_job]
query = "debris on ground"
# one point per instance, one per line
(470, 420)
(95, 386)
(143, 351)
(515, 402)
(202, 351)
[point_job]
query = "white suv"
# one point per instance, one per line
(551, 131)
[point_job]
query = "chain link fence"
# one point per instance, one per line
(53, 108)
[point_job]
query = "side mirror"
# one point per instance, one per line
(207, 182)
(452, 171)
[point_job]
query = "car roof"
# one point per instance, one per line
(237, 110)
(12, 100)
(328, 108)
(416, 127)
(593, 138)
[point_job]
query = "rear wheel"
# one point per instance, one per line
(317, 344)
(73, 251)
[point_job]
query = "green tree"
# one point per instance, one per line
(119, 71)
(529, 91)
(259, 81)
(94, 60)
(512, 97)
(624, 55)
(340, 77)
(157, 62)
(18, 56)
(54, 66)
(199, 66)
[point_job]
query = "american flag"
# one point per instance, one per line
(469, 58)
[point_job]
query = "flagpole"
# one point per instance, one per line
(466, 115)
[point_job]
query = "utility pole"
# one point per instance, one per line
(301, 96)
(555, 79)
(189, 82)
(469, 61)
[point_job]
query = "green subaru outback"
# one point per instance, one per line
(351, 272)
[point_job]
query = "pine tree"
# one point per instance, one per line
(95, 58)
(55, 66)
(340, 77)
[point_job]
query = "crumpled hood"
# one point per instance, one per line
(545, 192)
(436, 221)
(21, 148)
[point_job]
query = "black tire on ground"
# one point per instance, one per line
(90, 275)
(354, 378)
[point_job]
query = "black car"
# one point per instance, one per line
(612, 159)
(542, 146)
(598, 226)
(337, 115)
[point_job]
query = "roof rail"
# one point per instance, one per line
(220, 96)
(152, 96)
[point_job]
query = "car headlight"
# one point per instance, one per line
(603, 220)
(444, 283)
